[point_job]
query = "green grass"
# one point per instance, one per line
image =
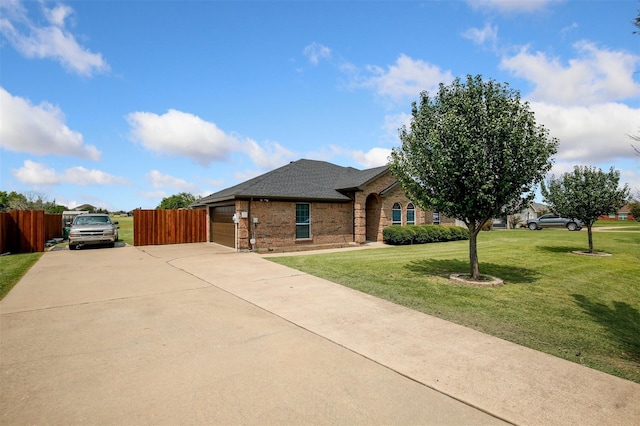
(12, 268)
(628, 225)
(125, 223)
(583, 309)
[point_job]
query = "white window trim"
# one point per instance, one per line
(303, 224)
(413, 222)
(393, 222)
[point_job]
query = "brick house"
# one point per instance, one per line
(310, 204)
(624, 213)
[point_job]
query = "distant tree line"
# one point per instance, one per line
(33, 200)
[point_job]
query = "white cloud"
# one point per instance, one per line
(375, 157)
(596, 76)
(406, 79)
(33, 173)
(51, 41)
(511, 6)
(82, 176)
(242, 176)
(39, 129)
(159, 180)
(316, 51)
(488, 34)
(182, 134)
(590, 134)
(569, 29)
(269, 156)
(627, 175)
(393, 123)
(155, 195)
(36, 174)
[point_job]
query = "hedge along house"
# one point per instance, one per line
(310, 204)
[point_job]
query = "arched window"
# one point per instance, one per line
(396, 214)
(411, 214)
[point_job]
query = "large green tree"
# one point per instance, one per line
(473, 152)
(177, 201)
(585, 194)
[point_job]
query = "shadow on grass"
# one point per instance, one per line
(563, 249)
(622, 322)
(443, 268)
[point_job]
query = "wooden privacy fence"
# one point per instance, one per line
(157, 227)
(25, 231)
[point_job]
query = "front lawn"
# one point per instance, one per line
(125, 228)
(583, 309)
(623, 225)
(13, 267)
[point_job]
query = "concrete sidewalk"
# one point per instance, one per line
(200, 334)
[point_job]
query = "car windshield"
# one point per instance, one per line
(92, 220)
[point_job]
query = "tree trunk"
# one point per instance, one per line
(590, 238)
(473, 252)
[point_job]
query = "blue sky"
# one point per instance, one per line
(121, 103)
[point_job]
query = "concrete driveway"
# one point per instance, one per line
(199, 334)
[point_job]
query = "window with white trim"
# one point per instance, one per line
(396, 214)
(303, 221)
(411, 214)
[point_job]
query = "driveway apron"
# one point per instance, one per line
(134, 336)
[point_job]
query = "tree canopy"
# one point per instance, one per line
(585, 194)
(177, 201)
(28, 201)
(472, 152)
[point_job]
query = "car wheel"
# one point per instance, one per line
(73, 246)
(571, 226)
(533, 226)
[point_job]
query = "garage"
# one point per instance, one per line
(222, 226)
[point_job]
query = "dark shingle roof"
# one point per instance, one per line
(302, 179)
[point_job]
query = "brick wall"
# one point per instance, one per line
(331, 225)
(396, 195)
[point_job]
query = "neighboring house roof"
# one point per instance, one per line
(625, 209)
(85, 207)
(537, 207)
(302, 180)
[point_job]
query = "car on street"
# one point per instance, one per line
(92, 228)
(552, 220)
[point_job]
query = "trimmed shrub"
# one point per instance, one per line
(458, 233)
(441, 233)
(398, 235)
(423, 234)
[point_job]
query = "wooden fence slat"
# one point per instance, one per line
(5, 223)
(52, 226)
(158, 227)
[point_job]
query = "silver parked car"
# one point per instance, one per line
(551, 220)
(92, 228)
